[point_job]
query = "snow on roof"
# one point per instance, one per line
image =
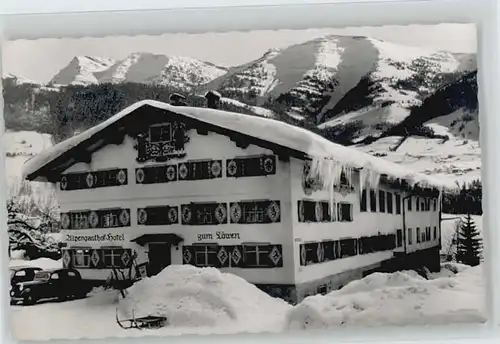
(215, 93)
(329, 159)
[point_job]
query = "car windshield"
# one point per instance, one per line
(42, 276)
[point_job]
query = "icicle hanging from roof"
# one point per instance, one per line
(329, 173)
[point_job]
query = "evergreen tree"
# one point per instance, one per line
(469, 245)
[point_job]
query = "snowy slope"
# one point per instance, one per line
(80, 71)
(455, 159)
(441, 134)
(303, 70)
(401, 78)
(19, 147)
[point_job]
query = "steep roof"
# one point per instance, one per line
(275, 132)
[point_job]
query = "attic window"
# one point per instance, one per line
(343, 179)
(160, 133)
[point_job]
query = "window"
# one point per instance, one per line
(398, 203)
(256, 255)
(205, 215)
(423, 204)
(322, 289)
(418, 235)
(332, 250)
(158, 215)
(348, 247)
(71, 274)
(93, 179)
(389, 203)
(160, 133)
(427, 233)
(54, 276)
(199, 170)
(363, 201)
(256, 211)
(110, 219)
(417, 202)
(111, 257)
(434, 204)
(409, 203)
(205, 255)
(208, 213)
(79, 220)
(435, 232)
(81, 258)
(381, 201)
(343, 179)
(251, 166)
(373, 201)
(345, 212)
(399, 238)
(410, 236)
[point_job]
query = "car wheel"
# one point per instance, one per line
(29, 300)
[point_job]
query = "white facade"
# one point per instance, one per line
(134, 196)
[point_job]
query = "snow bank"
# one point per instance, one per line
(397, 299)
(43, 263)
(327, 155)
(203, 297)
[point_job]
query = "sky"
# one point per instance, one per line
(39, 60)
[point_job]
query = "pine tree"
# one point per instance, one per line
(469, 246)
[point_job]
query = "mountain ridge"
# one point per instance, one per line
(354, 90)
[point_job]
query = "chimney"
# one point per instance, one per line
(213, 99)
(177, 99)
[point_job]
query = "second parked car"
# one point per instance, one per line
(20, 274)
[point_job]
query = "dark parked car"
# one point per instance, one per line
(63, 284)
(20, 274)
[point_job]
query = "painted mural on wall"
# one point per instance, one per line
(162, 142)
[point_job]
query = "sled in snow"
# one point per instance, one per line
(147, 322)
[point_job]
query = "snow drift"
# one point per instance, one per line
(203, 297)
(398, 299)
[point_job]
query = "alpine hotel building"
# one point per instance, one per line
(181, 185)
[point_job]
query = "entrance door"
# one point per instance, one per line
(159, 257)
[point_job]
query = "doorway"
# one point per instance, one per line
(159, 257)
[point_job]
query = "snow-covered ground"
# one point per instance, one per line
(206, 301)
(397, 299)
(456, 159)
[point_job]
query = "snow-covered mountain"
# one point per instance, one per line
(324, 78)
(412, 105)
(80, 71)
(18, 80)
(181, 72)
